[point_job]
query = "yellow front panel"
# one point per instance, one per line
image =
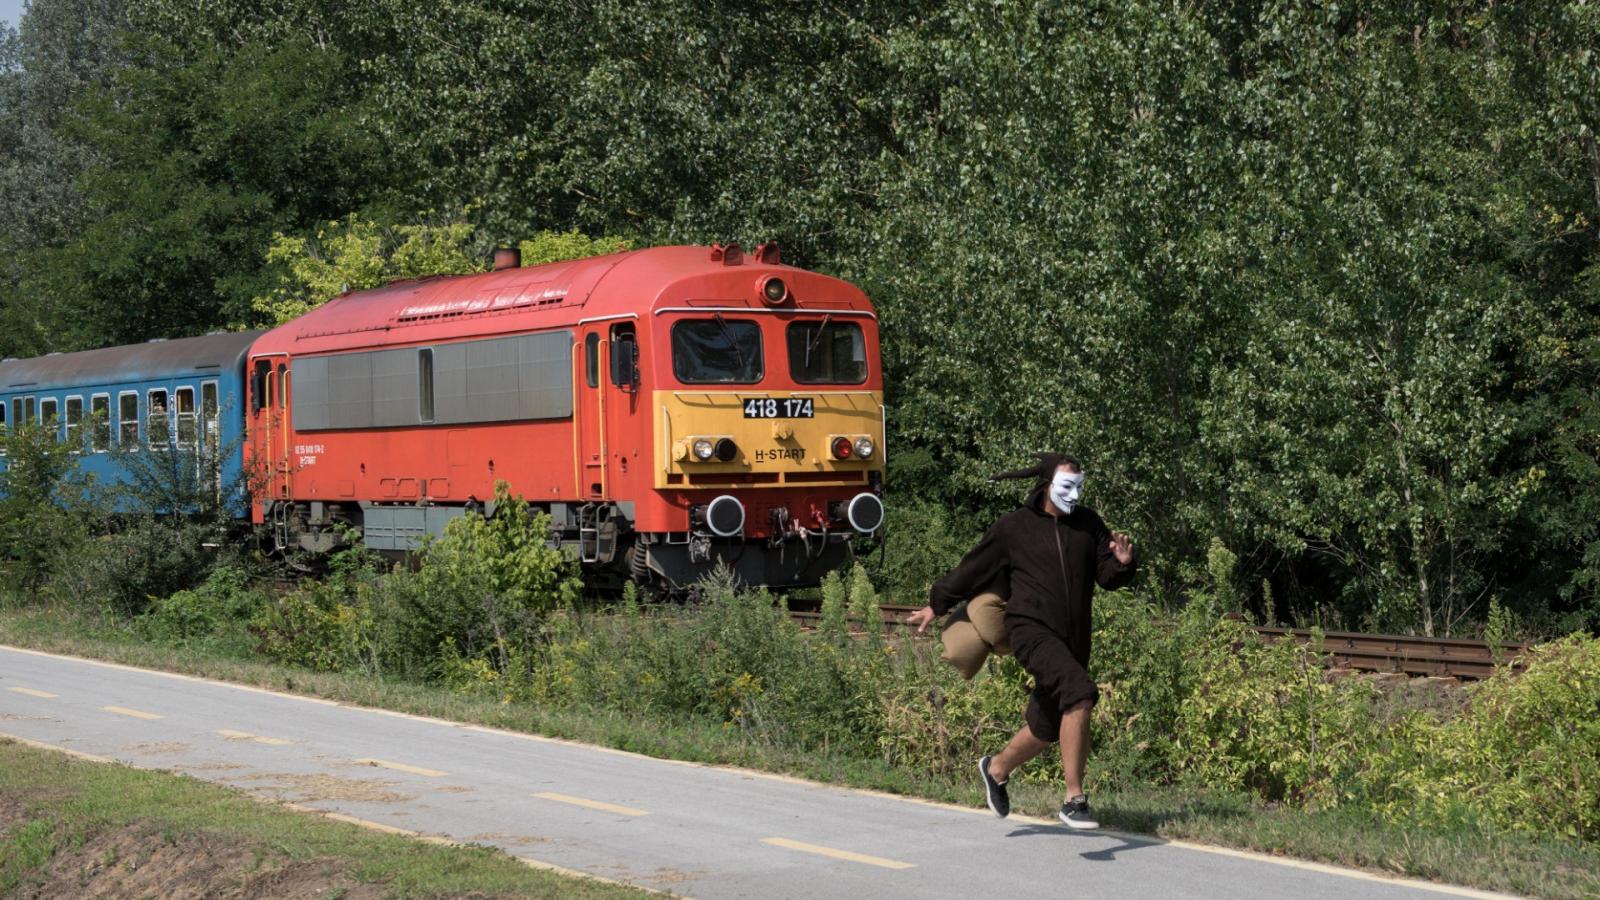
(775, 450)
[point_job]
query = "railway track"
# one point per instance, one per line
(1380, 653)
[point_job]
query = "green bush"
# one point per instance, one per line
(327, 625)
(1145, 663)
(123, 572)
(734, 658)
(1525, 753)
(1266, 717)
(479, 597)
(319, 627)
(217, 609)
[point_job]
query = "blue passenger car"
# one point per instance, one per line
(185, 394)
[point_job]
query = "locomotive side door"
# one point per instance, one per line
(627, 422)
(269, 478)
(589, 417)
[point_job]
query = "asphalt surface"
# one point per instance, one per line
(686, 829)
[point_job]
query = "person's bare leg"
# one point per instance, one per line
(1023, 747)
(1075, 745)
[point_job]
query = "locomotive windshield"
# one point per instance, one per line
(717, 351)
(827, 352)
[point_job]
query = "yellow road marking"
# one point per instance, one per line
(232, 735)
(838, 854)
(592, 804)
(402, 767)
(124, 711)
(33, 693)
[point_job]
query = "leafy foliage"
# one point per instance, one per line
(1317, 285)
(38, 528)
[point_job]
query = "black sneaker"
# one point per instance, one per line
(1075, 814)
(994, 791)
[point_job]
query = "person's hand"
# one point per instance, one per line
(921, 618)
(1122, 547)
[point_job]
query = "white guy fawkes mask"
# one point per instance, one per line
(1064, 490)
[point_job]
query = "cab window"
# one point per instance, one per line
(824, 352)
(717, 351)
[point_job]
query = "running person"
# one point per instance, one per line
(1051, 553)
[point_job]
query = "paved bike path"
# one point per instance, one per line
(688, 829)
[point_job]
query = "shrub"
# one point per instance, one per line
(1145, 663)
(1264, 717)
(38, 528)
(220, 607)
(1525, 753)
(318, 627)
(123, 572)
(482, 591)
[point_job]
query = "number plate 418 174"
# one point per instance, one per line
(778, 408)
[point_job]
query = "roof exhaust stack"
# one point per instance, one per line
(506, 258)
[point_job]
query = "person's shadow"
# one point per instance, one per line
(1105, 854)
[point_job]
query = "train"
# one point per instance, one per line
(673, 409)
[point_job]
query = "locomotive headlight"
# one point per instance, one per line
(726, 449)
(864, 447)
(703, 449)
(842, 448)
(773, 290)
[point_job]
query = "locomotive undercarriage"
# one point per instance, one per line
(600, 535)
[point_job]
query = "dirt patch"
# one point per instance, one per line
(500, 838)
(674, 876)
(211, 767)
(138, 860)
(454, 789)
(156, 748)
(16, 717)
(20, 806)
(309, 788)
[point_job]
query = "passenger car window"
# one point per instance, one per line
(717, 351)
(209, 411)
(188, 424)
(824, 352)
(75, 423)
(158, 430)
(100, 430)
(128, 421)
(49, 417)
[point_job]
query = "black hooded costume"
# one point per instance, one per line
(1048, 567)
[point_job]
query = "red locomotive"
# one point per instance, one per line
(670, 407)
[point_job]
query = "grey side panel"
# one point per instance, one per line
(504, 379)
(545, 375)
(492, 380)
(402, 527)
(311, 401)
(450, 384)
(496, 380)
(395, 388)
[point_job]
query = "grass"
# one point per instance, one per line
(72, 826)
(1459, 854)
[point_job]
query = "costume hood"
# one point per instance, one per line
(1041, 473)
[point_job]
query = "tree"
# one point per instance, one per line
(37, 498)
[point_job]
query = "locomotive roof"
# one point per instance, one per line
(133, 362)
(528, 298)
